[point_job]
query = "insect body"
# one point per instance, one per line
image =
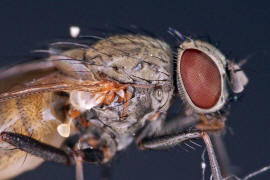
(101, 95)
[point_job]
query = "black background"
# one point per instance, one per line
(241, 29)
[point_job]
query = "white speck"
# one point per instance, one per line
(64, 129)
(203, 165)
(74, 31)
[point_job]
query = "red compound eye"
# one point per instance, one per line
(201, 78)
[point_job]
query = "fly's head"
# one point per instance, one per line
(203, 76)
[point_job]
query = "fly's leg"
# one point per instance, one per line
(166, 141)
(222, 154)
(212, 157)
(79, 168)
(188, 119)
(42, 150)
(36, 148)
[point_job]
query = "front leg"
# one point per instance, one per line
(36, 148)
(170, 140)
(42, 150)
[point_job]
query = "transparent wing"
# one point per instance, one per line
(54, 81)
(22, 73)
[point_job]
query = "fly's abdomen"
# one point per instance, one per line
(30, 116)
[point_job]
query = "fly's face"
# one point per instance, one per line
(203, 74)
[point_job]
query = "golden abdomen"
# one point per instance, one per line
(31, 116)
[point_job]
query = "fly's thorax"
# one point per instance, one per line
(71, 63)
(124, 117)
(132, 59)
(123, 58)
(144, 104)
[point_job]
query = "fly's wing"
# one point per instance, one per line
(52, 82)
(19, 74)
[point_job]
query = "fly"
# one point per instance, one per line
(84, 103)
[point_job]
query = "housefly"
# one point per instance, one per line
(84, 103)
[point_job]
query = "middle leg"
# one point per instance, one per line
(166, 141)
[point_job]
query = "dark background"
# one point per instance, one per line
(241, 29)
